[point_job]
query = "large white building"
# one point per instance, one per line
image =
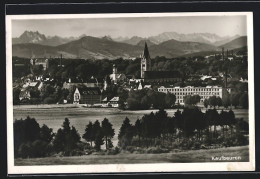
(203, 92)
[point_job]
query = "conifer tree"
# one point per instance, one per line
(108, 131)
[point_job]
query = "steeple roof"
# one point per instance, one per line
(146, 52)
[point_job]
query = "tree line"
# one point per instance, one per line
(228, 100)
(187, 129)
(31, 140)
(147, 98)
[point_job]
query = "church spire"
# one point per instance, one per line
(146, 52)
(145, 61)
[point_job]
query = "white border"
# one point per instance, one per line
(108, 168)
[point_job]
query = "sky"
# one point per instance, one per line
(133, 26)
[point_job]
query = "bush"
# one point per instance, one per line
(77, 152)
(49, 100)
(241, 139)
(196, 145)
(156, 150)
(39, 148)
(130, 149)
(24, 150)
(113, 151)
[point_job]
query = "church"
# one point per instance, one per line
(157, 77)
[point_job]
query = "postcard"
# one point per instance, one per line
(130, 92)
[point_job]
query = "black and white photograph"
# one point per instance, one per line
(130, 92)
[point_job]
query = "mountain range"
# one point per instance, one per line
(35, 44)
(38, 38)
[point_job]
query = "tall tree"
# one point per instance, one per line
(99, 140)
(213, 101)
(138, 129)
(46, 133)
(219, 101)
(89, 134)
(206, 103)
(226, 98)
(108, 131)
(16, 93)
(243, 100)
(170, 100)
(98, 135)
(126, 133)
(66, 138)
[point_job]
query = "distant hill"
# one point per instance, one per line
(174, 48)
(225, 40)
(105, 47)
(38, 38)
(142, 42)
(88, 47)
(29, 50)
(236, 43)
(208, 38)
(134, 40)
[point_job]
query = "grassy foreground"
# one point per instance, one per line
(131, 158)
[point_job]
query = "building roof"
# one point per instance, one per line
(146, 52)
(147, 86)
(187, 87)
(40, 60)
(105, 99)
(92, 80)
(31, 84)
(161, 74)
(114, 99)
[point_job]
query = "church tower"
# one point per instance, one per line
(114, 69)
(145, 61)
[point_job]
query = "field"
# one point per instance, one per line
(79, 116)
(126, 158)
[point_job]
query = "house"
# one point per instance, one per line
(40, 61)
(87, 95)
(140, 86)
(25, 94)
(114, 102)
(105, 102)
(243, 80)
(92, 82)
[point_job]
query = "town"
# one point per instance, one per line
(219, 79)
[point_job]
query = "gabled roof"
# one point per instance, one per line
(147, 86)
(114, 99)
(105, 99)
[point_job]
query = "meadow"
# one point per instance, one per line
(126, 158)
(79, 116)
